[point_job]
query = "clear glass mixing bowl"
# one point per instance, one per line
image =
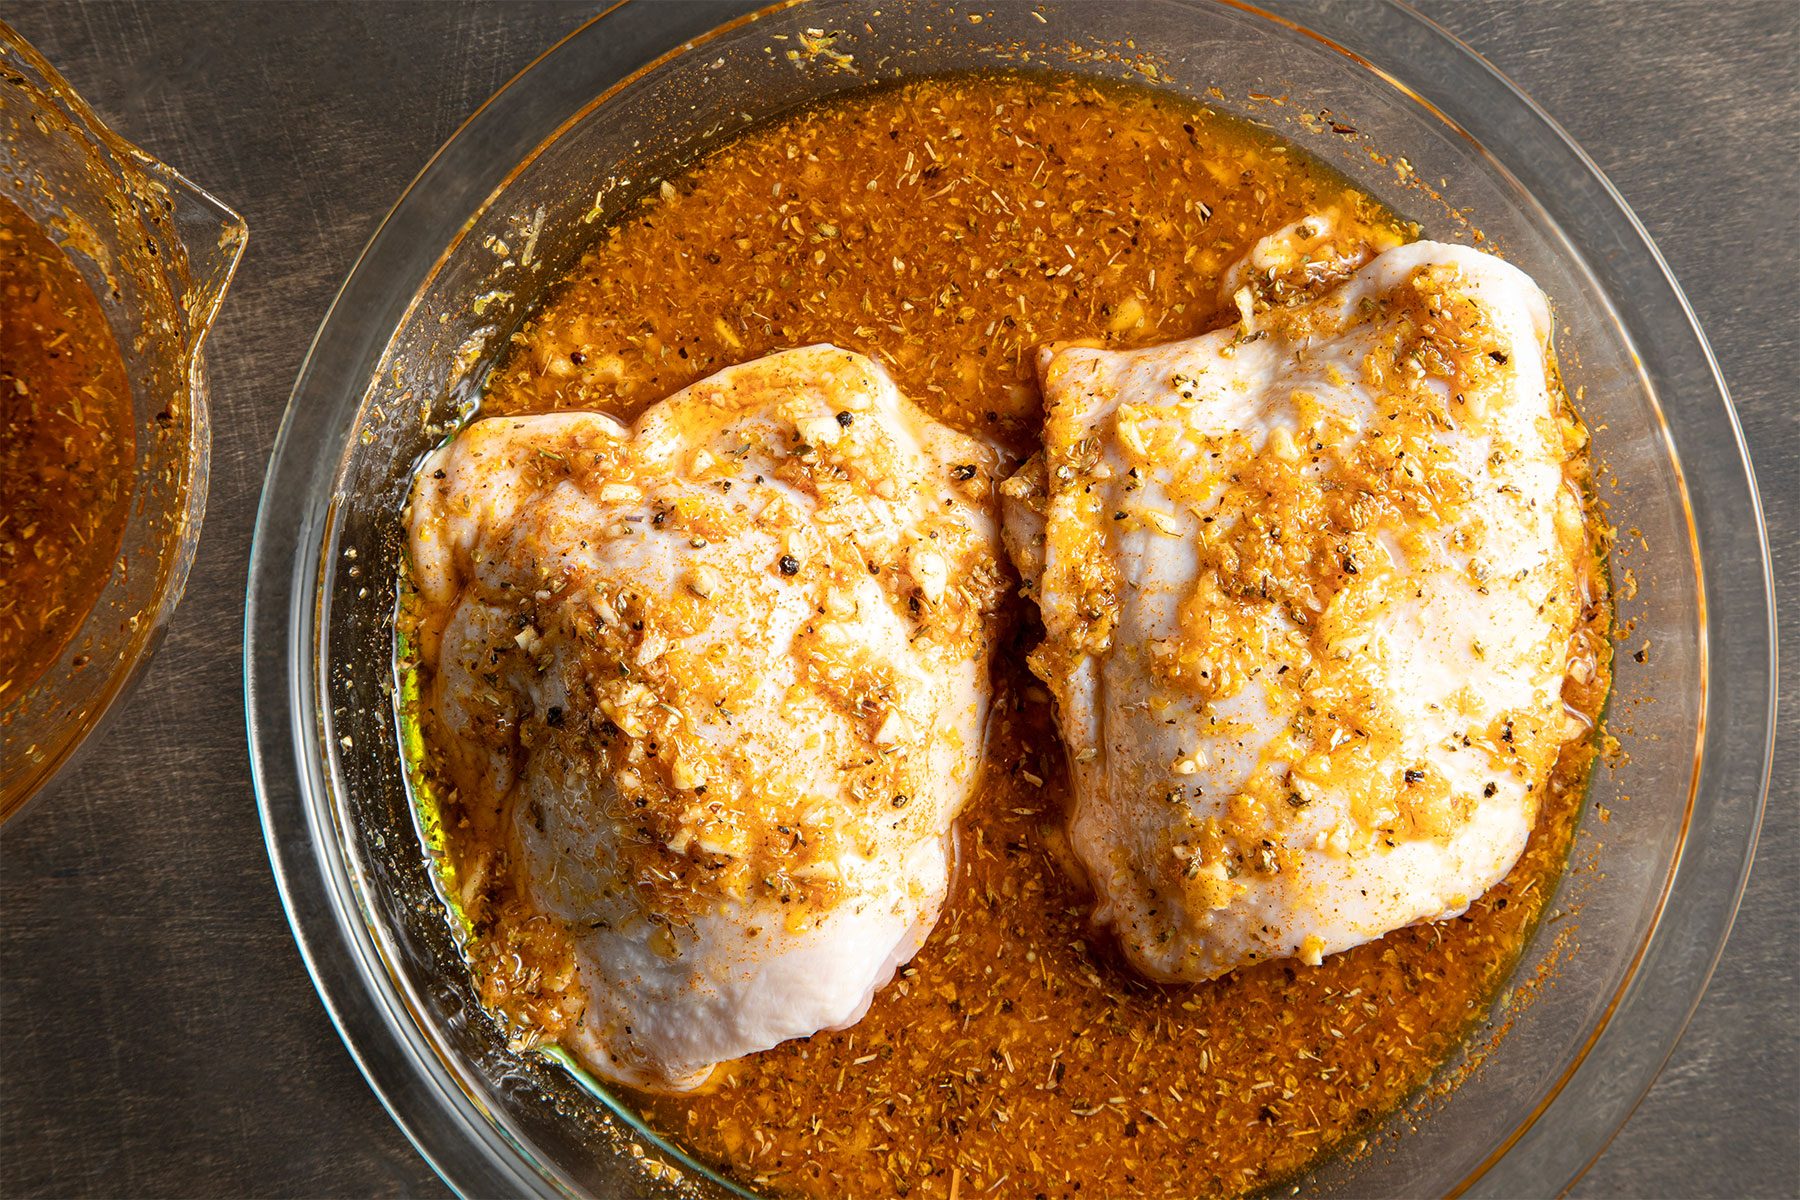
(158, 252)
(1375, 91)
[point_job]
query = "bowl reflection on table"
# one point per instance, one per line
(401, 357)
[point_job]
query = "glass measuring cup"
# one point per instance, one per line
(158, 253)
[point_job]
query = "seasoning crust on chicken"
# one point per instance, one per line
(1309, 585)
(723, 675)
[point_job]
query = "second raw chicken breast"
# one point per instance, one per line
(1308, 587)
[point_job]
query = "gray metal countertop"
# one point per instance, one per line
(158, 1035)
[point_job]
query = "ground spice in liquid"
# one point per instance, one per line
(66, 450)
(947, 228)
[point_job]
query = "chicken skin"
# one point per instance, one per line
(725, 673)
(1308, 586)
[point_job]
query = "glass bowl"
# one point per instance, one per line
(158, 252)
(1602, 993)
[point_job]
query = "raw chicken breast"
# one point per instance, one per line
(726, 672)
(1308, 587)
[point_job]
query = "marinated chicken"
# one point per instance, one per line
(1309, 586)
(724, 676)
(949, 227)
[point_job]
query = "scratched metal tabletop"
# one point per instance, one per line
(158, 1035)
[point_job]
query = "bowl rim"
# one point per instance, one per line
(311, 870)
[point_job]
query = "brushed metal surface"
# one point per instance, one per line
(158, 1035)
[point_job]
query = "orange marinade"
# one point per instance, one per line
(66, 450)
(947, 228)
